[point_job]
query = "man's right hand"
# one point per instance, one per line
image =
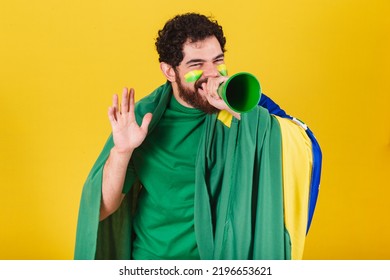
(127, 134)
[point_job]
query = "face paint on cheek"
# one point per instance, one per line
(222, 69)
(193, 76)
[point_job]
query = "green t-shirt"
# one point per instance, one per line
(165, 166)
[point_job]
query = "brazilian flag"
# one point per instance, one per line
(261, 209)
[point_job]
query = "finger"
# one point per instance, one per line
(125, 101)
(210, 92)
(210, 88)
(203, 88)
(131, 101)
(115, 102)
(146, 121)
(214, 88)
(111, 115)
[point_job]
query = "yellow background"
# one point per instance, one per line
(326, 62)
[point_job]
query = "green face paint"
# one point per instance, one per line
(222, 69)
(193, 76)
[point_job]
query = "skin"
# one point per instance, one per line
(204, 55)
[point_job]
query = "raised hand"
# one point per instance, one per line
(127, 134)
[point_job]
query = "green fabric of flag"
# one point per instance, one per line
(238, 217)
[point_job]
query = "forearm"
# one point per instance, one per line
(114, 174)
(236, 114)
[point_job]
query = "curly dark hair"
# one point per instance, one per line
(179, 29)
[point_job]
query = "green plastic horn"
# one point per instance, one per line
(241, 92)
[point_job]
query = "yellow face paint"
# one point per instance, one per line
(193, 76)
(222, 69)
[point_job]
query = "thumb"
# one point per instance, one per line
(146, 121)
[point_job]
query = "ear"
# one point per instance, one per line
(168, 71)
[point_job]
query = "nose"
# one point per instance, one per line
(210, 70)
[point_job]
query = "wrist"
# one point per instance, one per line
(121, 154)
(234, 113)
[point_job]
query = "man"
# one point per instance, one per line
(185, 177)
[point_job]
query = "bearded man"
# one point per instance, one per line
(183, 176)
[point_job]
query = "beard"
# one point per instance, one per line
(194, 98)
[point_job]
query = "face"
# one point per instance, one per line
(204, 55)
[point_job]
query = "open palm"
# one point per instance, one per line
(127, 134)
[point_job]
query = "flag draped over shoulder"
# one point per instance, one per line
(259, 210)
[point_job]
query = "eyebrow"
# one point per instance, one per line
(202, 60)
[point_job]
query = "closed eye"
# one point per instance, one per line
(195, 65)
(219, 60)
